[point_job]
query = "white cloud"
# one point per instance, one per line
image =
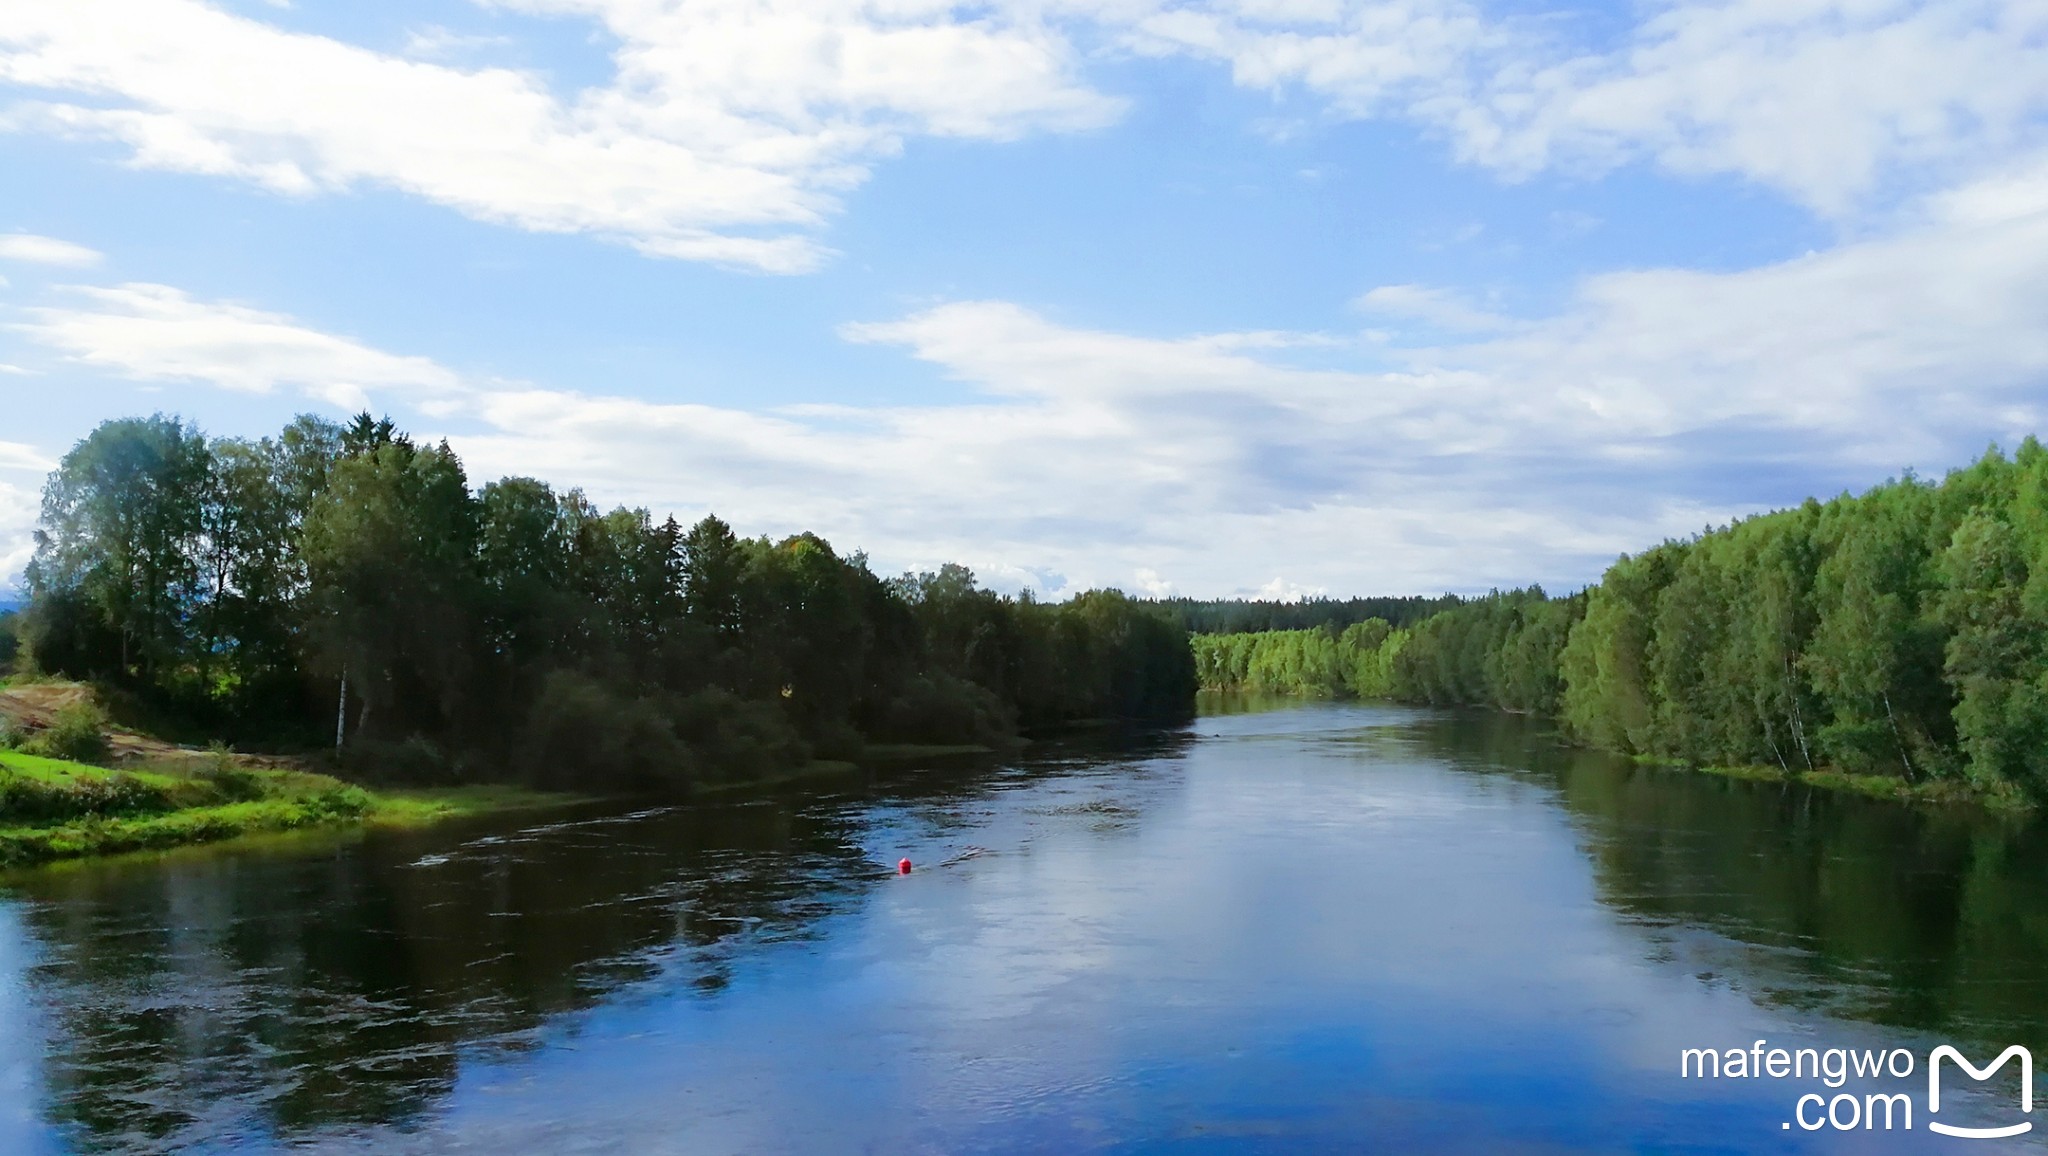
(1281, 590)
(157, 333)
(1438, 307)
(934, 66)
(1478, 449)
(434, 42)
(44, 251)
(20, 456)
(17, 514)
(1826, 100)
(1073, 452)
(726, 135)
(730, 128)
(1148, 582)
(1656, 402)
(2012, 193)
(1883, 351)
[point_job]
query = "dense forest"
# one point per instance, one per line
(343, 584)
(1244, 616)
(1901, 632)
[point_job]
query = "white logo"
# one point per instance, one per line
(1984, 1073)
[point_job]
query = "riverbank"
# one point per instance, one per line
(51, 809)
(1947, 792)
(2006, 798)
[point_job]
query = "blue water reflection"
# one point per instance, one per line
(1316, 929)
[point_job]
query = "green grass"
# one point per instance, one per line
(59, 772)
(51, 809)
(1997, 797)
(1752, 774)
(420, 808)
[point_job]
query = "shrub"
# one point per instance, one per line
(235, 784)
(417, 761)
(584, 734)
(736, 739)
(78, 733)
(944, 709)
(25, 800)
(338, 802)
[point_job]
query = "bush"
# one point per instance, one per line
(417, 761)
(234, 784)
(735, 739)
(78, 733)
(944, 709)
(25, 800)
(584, 734)
(63, 634)
(338, 802)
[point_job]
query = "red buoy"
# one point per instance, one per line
(903, 867)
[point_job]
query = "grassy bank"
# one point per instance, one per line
(2001, 797)
(52, 809)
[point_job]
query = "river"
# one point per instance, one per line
(1322, 927)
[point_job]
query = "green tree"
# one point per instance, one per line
(120, 540)
(712, 569)
(1994, 653)
(1875, 657)
(390, 550)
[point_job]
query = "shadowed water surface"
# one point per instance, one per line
(1312, 928)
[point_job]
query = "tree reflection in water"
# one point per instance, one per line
(1933, 919)
(249, 994)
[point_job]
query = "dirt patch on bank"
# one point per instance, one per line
(34, 705)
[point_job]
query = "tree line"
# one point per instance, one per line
(1900, 632)
(340, 579)
(1494, 650)
(1247, 616)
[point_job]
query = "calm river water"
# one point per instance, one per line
(1315, 928)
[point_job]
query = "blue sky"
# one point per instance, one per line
(1232, 297)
